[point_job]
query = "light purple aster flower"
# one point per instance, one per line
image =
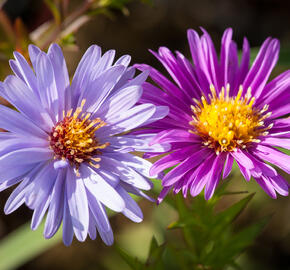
(221, 110)
(66, 145)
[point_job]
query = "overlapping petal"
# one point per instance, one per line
(75, 192)
(198, 165)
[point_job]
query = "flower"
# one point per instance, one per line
(220, 111)
(67, 145)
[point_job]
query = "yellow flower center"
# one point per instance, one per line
(74, 139)
(227, 123)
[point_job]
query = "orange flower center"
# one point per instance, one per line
(74, 138)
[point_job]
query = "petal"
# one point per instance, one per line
(138, 164)
(8, 183)
(132, 210)
(160, 113)
(18, 94)
(16, 142)
(99, 89)
(201, 175)
(175, 135)
(212, 59)
(60, 72)
(275, 88)
(280, 185)
(243, 69)
(39, 212)
(199, 60)
(177, 71)
(47, 85)
(267, 186)
(26, 156)
(173, 159)
(55, 212)
(241, 157)
(214, 176)
(78, 205)
(102, 191)
(13, 121)
(124, 60)
(126, 173)
(192, 161)
(33, 54)
(103, 64)
(280, 106)
(228, 166)
(41, 186)
(92, 227)
(164, 83)
(162, 194)
(121, 101)
(136, 143)
(245, 171)
(17, 197)
(107, 236)
(20, 171)
(99, 213)
(83, 71)
(22, 69)
(284, 143)
(130, 119)
(262, 67)
(273, 156)
(225, 54)
(67, 228)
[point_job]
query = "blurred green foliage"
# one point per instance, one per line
(209, 240)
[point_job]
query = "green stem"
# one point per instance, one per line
(186, 231)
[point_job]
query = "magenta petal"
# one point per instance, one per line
(225, 51)
(242, 157)
(274, 156)
(172, 159)
(192, 161)
(228, 166)
(267, 186)
(244, 67)
(214, 176)
(284, 143)
(162, 194)
(175, 135)
(280, 185)
(245, 171)
(201, 175)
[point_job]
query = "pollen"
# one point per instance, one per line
(73, 138)
(226, 123)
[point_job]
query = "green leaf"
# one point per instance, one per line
(154, 246)
(227, 216)
(23, 245)
(155, 253)
(133, 262)
(240, 241)
(284, 58)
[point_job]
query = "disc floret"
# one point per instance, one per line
(226, 123)
(73, 138)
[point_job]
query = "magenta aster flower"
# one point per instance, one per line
(221, 110)
(66, 145)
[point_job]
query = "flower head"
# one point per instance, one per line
(221, 110)
(68, 146)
